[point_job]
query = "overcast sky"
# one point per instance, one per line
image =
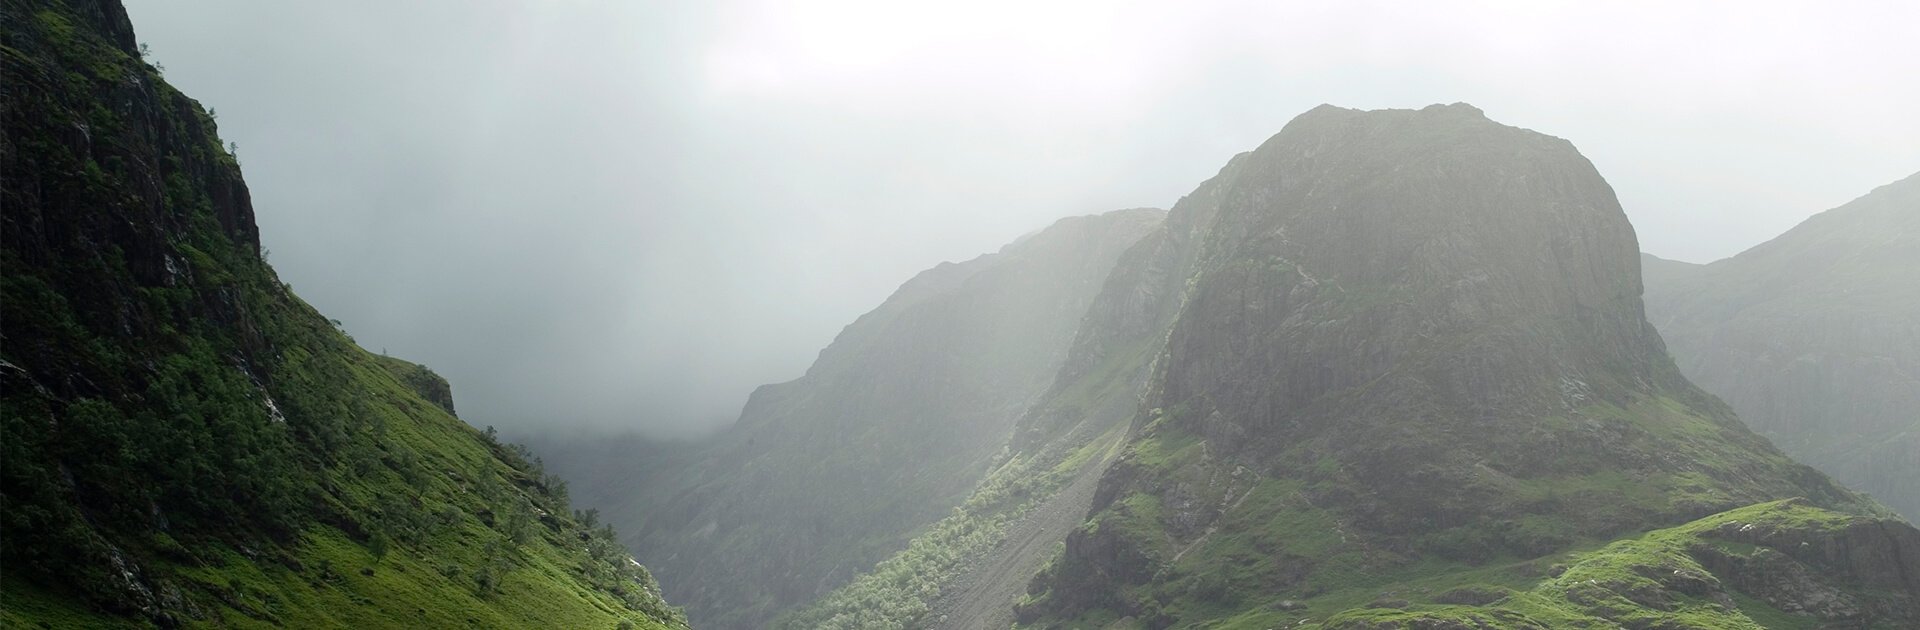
(629, 213)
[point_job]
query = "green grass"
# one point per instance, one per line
(333, 588)
(25, 604)
(1769, 617)
(1272, 545)
(1786, 514)
(180, 433)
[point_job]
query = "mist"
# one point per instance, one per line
(627, 215)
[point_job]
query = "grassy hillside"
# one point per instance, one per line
(1195, 540)
(188, 443)
(1780, 565)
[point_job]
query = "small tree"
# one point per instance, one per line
(519, 523)
(379, 545)
(588, 517)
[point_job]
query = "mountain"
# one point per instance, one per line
(894, 423)
(1412, 346)
(1389, 370)
(185, 442)
(1814, 337)
(965, 570)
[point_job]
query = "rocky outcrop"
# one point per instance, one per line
(1816, 568)
(425, 382)
(1431, 255)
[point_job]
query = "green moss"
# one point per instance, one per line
(1163, 450)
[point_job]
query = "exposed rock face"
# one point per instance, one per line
(1814, 337)
(1395, 335)
(1814, 569)
(889, 429)
(1483, 269)
(423, 381)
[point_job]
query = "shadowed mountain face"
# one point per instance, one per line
(1407, 344)
(184, 442)
(1433, 256)
(1814, 337)
(888, 430)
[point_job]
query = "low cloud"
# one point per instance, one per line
(628, 214)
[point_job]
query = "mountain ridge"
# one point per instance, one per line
(1811, 337)
(895, 421)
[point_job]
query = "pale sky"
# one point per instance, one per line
(627, 214)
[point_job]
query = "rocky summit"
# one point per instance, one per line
(1409, 352)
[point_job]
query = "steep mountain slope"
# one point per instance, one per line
(965, 571)
(893, 424)
(1814, 337)
(1408, 348)
(184, 442)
